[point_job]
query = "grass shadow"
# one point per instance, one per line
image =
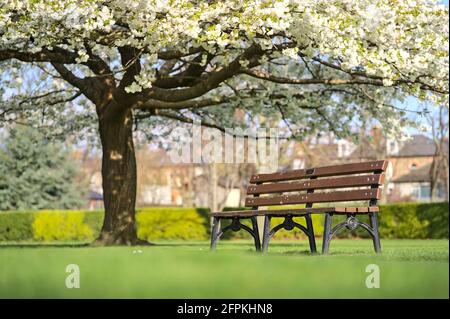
(89, 244)
(294, 253)
(43, 245)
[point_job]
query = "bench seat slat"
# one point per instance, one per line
(344, 169)
(341, 196)
(329, 183)
(296, 211)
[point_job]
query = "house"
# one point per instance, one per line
(412, 177)
(409, 176)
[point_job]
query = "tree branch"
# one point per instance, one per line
(155, 104)
(43, 56)
(184, 119)
(176, 54)
(188, 77)
(132, 65)
(86, 86)
(423, 86)
(40, 96)
(212, 81)
(259, 74)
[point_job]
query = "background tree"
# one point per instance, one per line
(438, 122)
(317, 65)
(36, 173)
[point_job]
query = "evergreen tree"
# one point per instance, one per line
(36, 173)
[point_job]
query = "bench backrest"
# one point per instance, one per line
(362, 182)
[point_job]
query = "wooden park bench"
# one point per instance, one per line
(354, 182)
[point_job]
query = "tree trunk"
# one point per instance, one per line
(119, 181)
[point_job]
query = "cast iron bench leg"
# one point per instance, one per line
(326, 233)
(256, 233)
(266, 236)
(376, 236)
(215, 233)
(311, 238)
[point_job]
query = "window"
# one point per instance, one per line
(421, 192)
(413, 166)
(425, 192)
(415, 191)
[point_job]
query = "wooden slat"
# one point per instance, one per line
(336, 170)
(296, 211)
(314, 198)
(329, 183)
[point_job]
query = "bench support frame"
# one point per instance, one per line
(289, 224)
(350, 223)
(235, 225)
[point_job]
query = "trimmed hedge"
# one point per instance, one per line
(402, 220)
(408, 220)
(172, 223)
(16, 226)
(414, 220)
(65, 225)
(56, 225)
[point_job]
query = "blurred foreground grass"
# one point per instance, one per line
(409, 269)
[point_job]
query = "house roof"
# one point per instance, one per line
(420, 174)
(364, 150)
(328, 151)
(418, 145)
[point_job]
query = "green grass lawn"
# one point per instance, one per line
(408, 269)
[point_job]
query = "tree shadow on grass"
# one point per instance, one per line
(89, 244)
(180, 244)
(296, 253)
(43, 245)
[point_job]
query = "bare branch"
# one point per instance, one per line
(67, 75)
(184, 119)
(85, 85)
(269, 77)
(40, 96)
(175, 54)
(423, 86)
(43, 56)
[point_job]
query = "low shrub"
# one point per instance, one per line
(171, 223)
(414, 220)
(61, 226)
